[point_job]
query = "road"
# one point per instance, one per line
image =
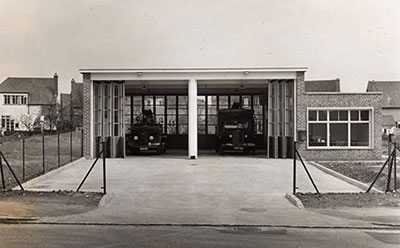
(32, 235)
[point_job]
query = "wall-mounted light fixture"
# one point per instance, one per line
(139, 74)
(241, 87)
(246, 73)
(144, 87)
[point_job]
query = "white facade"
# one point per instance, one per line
(15, 113)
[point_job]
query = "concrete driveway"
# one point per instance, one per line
(210, 190)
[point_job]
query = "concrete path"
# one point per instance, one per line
(210, 190)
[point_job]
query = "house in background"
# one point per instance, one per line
(77, 103)
(330, 85)
(391, 99)
(71, 106)
(25, 102)
(65, 110)
(388, 124)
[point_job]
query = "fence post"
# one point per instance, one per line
(389, 173)
(294, 166)
(58, 149)
(43, 154)
(104, 167)
(82, 143)
(394, 166)
(2, 173)
(380, 171)
(23, 159)
(70, 145)
(390, 143)
(11, 170)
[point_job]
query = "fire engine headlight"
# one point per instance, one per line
(135, 137)
(230, 135)
(151, 138)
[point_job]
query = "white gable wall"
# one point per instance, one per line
(18, 112)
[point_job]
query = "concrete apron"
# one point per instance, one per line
(174, 190)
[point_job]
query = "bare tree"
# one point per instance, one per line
(27, 121)
(51, 111)
(64, 117)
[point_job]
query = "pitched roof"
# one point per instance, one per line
(65, 100)
(76, 94)
(332, 85)
(65, 104)
(388, 121)
(40, 90)
(390, 89)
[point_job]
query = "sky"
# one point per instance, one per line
(354, 40)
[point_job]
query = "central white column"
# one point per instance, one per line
(192, 95)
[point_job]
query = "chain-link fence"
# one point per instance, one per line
(32, 156)
(95, 177)
(347, 176)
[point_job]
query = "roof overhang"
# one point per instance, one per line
(194, 73)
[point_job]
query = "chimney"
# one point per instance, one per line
(337, 84)
(56, 84)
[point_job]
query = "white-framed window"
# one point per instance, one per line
(339, 128)
(7, 99)
(7, 123)
(15, 100)
(23, 100)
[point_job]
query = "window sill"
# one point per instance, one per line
(339, 148)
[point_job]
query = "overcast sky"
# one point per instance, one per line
(355, 41)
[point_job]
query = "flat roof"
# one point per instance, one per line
(185, 70)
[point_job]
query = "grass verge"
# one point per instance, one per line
(357, 200)
(27, 160)
(364, 172)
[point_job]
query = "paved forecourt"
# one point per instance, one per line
(172, 189)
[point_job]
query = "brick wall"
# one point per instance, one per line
(305, 100)
(86, 115)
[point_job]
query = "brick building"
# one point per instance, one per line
(391, 99)
(334, 125)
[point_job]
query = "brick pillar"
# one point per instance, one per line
(86, 115)
(300, 106)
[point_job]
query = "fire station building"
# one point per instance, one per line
(328, 125)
